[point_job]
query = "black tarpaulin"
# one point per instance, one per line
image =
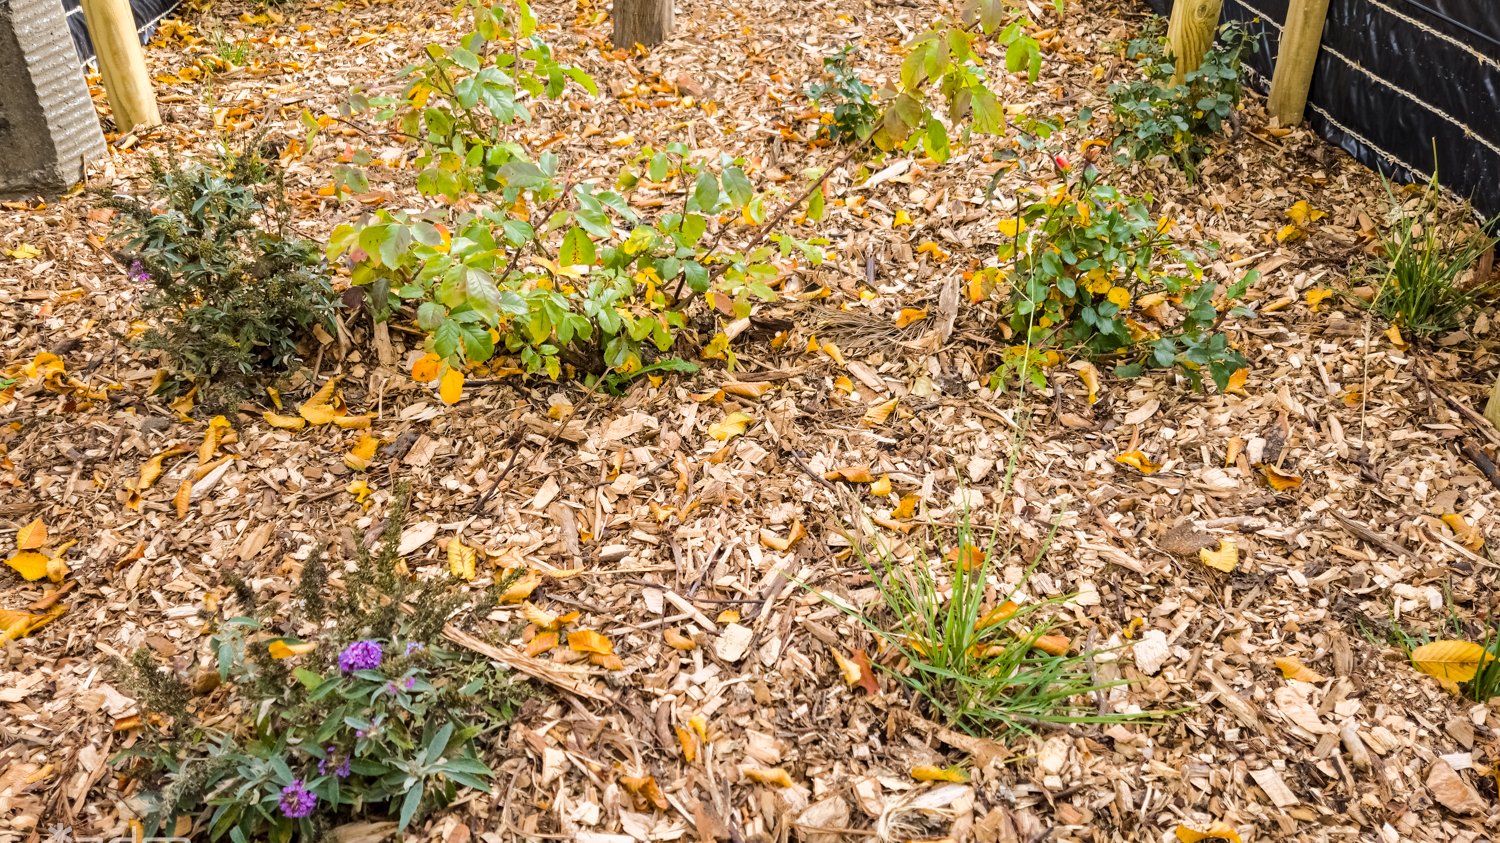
(1402, 85)
(148, 13)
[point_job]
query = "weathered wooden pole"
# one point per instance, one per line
(122, 63)
(1301, 36)
(1190, 31)
(644, 22)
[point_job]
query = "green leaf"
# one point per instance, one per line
(738, 186)
(309, 679)
(816, 204)
(937, 141)
(577, 249)
(705, 194)
(410, 803)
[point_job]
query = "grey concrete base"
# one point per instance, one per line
(48, 128)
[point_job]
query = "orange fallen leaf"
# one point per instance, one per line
(910, 316)
(31, 536)
(850, 474)
(218, 428)
(751, 389)
(281, 422)
(362, 453)
(1138, 461)
(998, 615)
(677, 640)
(590, 641)
(689, 745)
(877, 415)
(1316, 297)
(1090, 377)
(646, 791)
(1217, 831)
(426, 368)
(966, 557)
(1471, 538)
(1052, 645)
(279, 649)
(867, 679)
(1278, 479)
(541, 643)
(774, 776)
(1294, 669)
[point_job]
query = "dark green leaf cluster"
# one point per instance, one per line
(847, 100)
(1157, 116)
(230, 293)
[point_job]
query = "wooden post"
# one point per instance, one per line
(644, 22)
(1492, 409)
(1301, 36)
(1190, 31)
(122, 63)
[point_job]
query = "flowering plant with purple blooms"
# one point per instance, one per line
(361, 655)
(378, 723)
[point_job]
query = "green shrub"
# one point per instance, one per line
(378, 720)
(1082, 268)
(228, 302)
(847, 101)
(1423, 270)
(1157, 116)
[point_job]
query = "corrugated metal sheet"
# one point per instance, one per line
(51, 126)
(148, 13)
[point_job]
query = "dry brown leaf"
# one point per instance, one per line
(851, 474)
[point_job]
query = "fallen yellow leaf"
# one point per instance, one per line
(1316, 297)
(360, 490)
(1303, 214)
(877, 415)
(1290, 233)
(281, 422)
(1138, 461)
(902, 218)
(832, 350)
(521, 588)
(1223, 558)
(461, 559)
(850, 474)
(1236, 384)
(31, 536)
(362, 453)
(1393, 333)
(218, 426)
(1052, 645)
(931, 773)
(318, 409)
(1217, 831)
(847, 668)
(1294, 669)
(752, 389)
(184, 497)
(541, 643)
(1450, 661)
(1010, 226)
(733, 425)
(451, 387)
(1090, 377)
(910, 316)
(907, 507)
(352, 422)
(881, 487)
(29, 564)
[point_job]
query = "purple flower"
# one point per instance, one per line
(361, 655)
(137, 273)
(343, 769)
(410, 683)
(412, 647)
(322, 766)
(297, 801)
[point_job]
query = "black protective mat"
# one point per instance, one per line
(147, 14)
(1403, 85)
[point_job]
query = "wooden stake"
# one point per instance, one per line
(1492, 409)
(1190, 31)
(122, 63)
(1301, 36)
